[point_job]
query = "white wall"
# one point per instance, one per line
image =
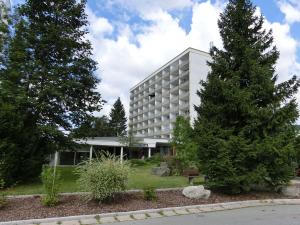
(198, 71)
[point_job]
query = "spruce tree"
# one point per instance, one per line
(94, 127)
(49, 83)
(245, 126)
(118, 121)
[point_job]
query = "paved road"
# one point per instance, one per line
(273, 215)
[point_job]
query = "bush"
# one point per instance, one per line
(138, 162)
(156, 158)
(51, 183)
(149, 194)
(174, 164)
(2, 194)
(103, 177)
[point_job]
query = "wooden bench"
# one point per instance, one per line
(190, 173)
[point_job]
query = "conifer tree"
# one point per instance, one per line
(245, 126)
(50, 82)
(118, 121)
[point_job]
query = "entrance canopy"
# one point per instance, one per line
(116, 142)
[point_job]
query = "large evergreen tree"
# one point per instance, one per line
(118, 121)
(49, 84)
(245, 120)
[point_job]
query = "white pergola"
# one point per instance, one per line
(149, 143)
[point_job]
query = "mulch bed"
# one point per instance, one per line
(31, 208)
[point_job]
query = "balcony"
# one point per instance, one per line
(184, 63)
(184, 95)
(183, 74)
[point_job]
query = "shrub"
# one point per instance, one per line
(149, 194)
(183, 142)
(138, 162)
(2, 194)
(174, 164)
(156, 158)
(51, 183)
(103, 177)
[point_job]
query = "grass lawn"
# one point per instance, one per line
(140, 177)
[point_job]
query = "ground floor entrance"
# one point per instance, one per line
(92, 147)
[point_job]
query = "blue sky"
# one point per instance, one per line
(131, 38)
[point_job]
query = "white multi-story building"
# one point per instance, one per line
(170, 91)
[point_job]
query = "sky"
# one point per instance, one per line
(133, 38)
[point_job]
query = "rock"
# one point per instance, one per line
(196, 192)
(161, 171)
(163, 164)
(293, 189)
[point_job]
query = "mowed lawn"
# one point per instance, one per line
(139, 178)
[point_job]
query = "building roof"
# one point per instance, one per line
(170, 62)
(116, 142)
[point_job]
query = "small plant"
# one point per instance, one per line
(103, 177)
(149, 194)
(51, 183)
(3, 199)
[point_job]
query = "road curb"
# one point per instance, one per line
(191, 209)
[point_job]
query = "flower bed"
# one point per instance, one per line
(31, 208)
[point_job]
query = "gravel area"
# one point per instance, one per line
(31, 208)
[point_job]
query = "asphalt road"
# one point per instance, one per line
(273, 215)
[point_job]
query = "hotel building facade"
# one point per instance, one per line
(167, 93)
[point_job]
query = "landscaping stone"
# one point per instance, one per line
(293, 189)
(161, 171)
(107, 219)
(196, 192)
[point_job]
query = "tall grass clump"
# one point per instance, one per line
(103, 177)
(51, 183)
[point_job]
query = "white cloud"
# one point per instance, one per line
(128, 58)
(98, 25)
(144, 6)
(291, 10)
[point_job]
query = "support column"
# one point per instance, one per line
(149, 152)
(121, 154)
(55, 159)
(91, 153)
(74, 160)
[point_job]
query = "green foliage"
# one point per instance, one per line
(149, 193)
(174, 164)
(183, 142)
(103, 177)
(155, 158)
(244, 128)
(47, 85)
(3, 199)
(118, 119)
(51, 183)
(137, 162)
(94, 127)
